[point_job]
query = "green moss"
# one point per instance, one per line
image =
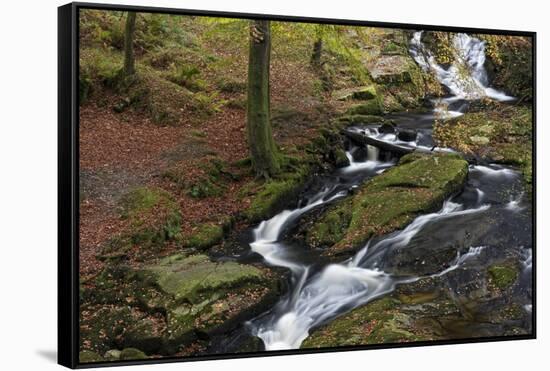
(87, 356)
(390, 201)
(359, 93)
(204, 188)
(361, 119)
(153, 218)
(503, 276)
(205, 236)
(272, 195)
(141, 200)
(192, 279)
(498, 133)
(374, 323)
(187, 76)
(112, 355)
(370, 107)
(231, 86)
(339, 158)
(129, 354)
(331, 227)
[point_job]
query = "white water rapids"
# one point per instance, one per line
(466, 78)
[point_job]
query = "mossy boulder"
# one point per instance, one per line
(498, 133)
(112, 355)
(204, 236)
(509, 64)
(378, 322)
(359, 93)
(370, 107)
(87, 356)
(130, 354)
(331, 229)
(271, 196)
(339, 158)
(165, 306)
(390, 201)
(204, 297)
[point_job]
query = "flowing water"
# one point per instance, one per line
(466, 78)
(491, 214)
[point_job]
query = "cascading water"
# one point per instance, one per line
(319, 294)
(328, 293)
(466, 78)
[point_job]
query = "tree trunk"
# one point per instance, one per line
(129, 60)
(317, 51)
(263, 151)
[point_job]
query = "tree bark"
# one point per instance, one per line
(317, 52)
(129, 60)
(263, 151)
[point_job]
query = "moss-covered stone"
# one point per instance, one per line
(130, 354)
(204, 236)
(276, 193)
(498, 133)
(359, 93)
(420, 183)
(503, 276)
(112, 355)
(339, 158)
(205, 294)
(167, 305)
(330, 229)
(369, 107)
(87, 356)
(375, 323)
(509, 64)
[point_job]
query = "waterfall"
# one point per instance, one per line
(337, 288)
(466, 78)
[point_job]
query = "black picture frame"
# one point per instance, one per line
(68, 180)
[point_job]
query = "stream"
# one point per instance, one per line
(488, 221)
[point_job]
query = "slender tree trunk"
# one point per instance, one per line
(129, 60)
(263, 150)
(317, 51)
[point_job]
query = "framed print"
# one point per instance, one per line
(236, 185)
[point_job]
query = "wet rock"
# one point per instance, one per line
(339, 158)
(369, 107)
(437, 247)
(407, 135)
(386, 129)
(360, 154)
(390, 201)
